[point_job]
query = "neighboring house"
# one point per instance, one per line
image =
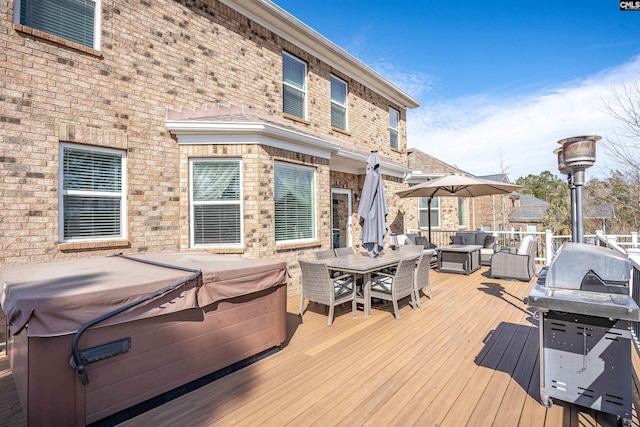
(449, 213)
(227, 126)
(527, 214)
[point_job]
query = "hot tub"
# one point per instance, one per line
(213, 312)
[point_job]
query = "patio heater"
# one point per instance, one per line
(572, 190)
(577, 154)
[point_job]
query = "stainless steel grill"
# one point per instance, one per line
(585, 309)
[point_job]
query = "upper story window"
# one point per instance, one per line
(294, 86)
(338, 103)
(216, 202)
(424, 211)
(394, 119)
(92, 193)
(295, 197)
(73, 20)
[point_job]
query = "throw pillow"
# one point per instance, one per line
(480, 238)
(489, 241)
(456, 240)
(423, 241)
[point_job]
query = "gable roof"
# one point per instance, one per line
(531, 209)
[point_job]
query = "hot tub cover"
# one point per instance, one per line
(57, 298)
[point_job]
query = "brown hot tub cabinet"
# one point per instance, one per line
(201, 323)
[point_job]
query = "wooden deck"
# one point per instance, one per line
(468, 357)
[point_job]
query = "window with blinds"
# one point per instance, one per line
(73, 20)
(423, 212)
(294, 202)
(338, 103)
(92, 196)
(294, 86)
(394, 119)
(216, 208)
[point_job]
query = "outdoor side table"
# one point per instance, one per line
(462, 259)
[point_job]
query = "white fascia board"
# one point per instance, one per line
(203, 132)
(416, 177)
(282, 23)
(354, 163)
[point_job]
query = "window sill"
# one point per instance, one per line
(296, 246)
(221, 251)
(342, 131)
(93, 245)
(55, 39)
(296, 119)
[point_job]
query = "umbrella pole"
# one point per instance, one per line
(429, 217)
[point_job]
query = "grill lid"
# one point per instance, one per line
(589, 268)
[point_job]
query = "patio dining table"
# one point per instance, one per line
(363, 263)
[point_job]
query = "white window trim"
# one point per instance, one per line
(396, 129)
(305, 88)
(346, 100)
(97, 20)
(432, 210)
(62, 192)
(192, 240)
(314, 207)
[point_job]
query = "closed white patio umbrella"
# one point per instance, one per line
(373, 208)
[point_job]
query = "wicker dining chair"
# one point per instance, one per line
(395, 287)
(421, 280)
(328, 253)
(344, 251)
(318, 286)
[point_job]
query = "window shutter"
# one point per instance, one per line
(70, 19)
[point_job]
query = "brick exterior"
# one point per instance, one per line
(154, 56)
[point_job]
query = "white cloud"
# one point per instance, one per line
(475, 133)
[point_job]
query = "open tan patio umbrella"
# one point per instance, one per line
(456, 185)
(373, 208)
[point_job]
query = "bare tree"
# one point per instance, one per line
(623, 185)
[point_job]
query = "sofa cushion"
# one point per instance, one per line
(480, 237)
(524, 245)
(412, 238)
(468, 238)
(489, 241)
(401, 239)
(424, 241)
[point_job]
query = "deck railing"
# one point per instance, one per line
(548, 246)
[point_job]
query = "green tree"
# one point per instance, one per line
(553, 190)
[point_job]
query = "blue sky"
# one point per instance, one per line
(500, 82)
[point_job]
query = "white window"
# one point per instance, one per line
(394, 119)
(294, 86)
(338, 103)
(295, 197)
(216, 208)
(462, 217)
(73, 20)
(92, 193)
(423, 212)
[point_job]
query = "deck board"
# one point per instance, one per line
(467, 357)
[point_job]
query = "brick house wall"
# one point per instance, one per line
(156, 56)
